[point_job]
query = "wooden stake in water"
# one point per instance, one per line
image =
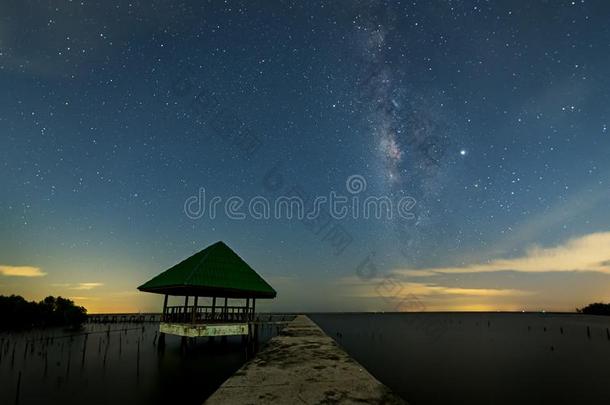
(82, 364)
(69, 361)
(106, 351)
(13, 356)
(18, 388)
(138, 361)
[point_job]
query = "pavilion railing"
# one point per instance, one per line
(207, 314)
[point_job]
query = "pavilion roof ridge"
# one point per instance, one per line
(198, 266)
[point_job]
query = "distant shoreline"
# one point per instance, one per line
(364, 312)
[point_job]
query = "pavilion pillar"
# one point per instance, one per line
(161, 342)
(186, 307)
(195, 309)
(213, 308)
(247, 309)
(164, 309)
(253, 308)
(226, 308)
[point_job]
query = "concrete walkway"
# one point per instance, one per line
(302, 365)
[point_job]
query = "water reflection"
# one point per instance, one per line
(116, 363)
(481, 358)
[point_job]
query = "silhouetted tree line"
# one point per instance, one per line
(18, 313)
(597, 308)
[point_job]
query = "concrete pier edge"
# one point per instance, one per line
(302, 365)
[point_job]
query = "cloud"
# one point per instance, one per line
(395, 288)
(549, 221)
(478, 292)
(21, 271)
(86, 286)
(79, 286)
(127, 293)
(586, 253)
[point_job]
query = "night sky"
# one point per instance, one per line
(491, 116)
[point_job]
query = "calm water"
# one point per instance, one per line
(115, 363)
(481, 358)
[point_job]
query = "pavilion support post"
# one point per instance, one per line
(161, 342)
(226, 308)
(164, 309)
(195, 309)
(213, 308)
(186, 307)
(247, 316)
(253, 308)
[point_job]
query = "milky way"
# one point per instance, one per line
(411, 136)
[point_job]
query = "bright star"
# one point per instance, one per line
(463, 152)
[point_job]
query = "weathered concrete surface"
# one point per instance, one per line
(302, 365)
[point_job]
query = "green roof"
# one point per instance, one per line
(216, 271)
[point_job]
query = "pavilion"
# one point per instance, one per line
(216, 272)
